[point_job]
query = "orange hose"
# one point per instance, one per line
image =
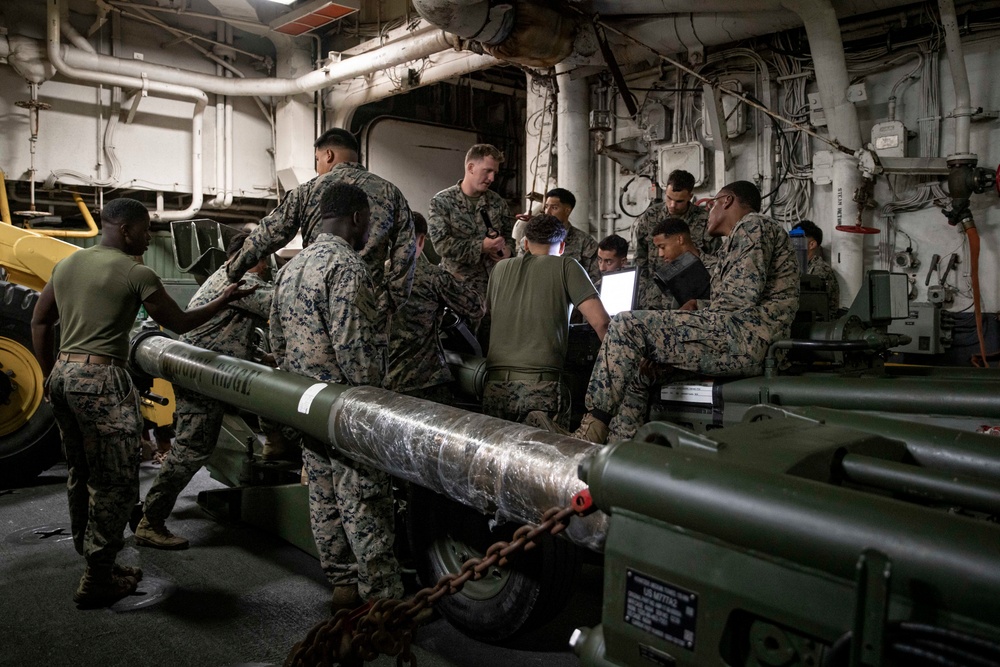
(973, 235)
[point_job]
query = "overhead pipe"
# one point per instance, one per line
(54, 52)
(88, 233)
(345, 99)
(470, 19)
(420, 46)
(220, 114)
(525, 32)
(959, 78)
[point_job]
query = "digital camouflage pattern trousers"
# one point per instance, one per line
(350, 510)
(199, 420)
(514, 399)
(97, 410)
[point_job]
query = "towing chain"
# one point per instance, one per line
(387, 626)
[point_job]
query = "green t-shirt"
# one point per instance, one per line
(98, 293)
(529, 299)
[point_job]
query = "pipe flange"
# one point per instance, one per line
(962, 160)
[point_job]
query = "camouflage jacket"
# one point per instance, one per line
(819, 267)
(323, 314)
(647, 258)
(391, 236)
(458, 229)
(756, 278)
(416, 357)
(230, 332)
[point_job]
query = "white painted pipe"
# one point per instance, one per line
(573, 143)
(78, 40)
(959, 76)
(480, 20)
(230, 158)
(344, 100)
(27, 57)
(220, 132)
(832, 81)
(171, 90)
(610, 205)
(420, 46)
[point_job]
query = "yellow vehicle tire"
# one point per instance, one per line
(29, 437)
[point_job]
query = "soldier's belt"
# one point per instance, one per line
(100, 360)
(523, 376)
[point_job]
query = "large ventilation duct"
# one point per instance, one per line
(523, 32)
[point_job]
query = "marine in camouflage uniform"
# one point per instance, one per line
(322, 326)
(755, 293)
(582, 247)
(647, 259)
(94, 295)
(819, 267)
(391, 236)
(199, 418)
(417, 365)
(457, 229)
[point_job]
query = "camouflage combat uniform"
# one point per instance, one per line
(97, 410)
(647, 258)
(417, 365)
(199, 418)
(98, 292)
(457, 229)
(390, 237)
(322, 327)
(819, 267)
(755, 294)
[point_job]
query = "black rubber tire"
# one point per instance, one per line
(36, 446)
(538, 584)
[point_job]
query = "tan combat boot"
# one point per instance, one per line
(127, 571)
(158, 536)
(592, 429)
(101, 587)
(345, 597)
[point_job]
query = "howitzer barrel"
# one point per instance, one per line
(934, 447)
(496, 466)
(910, 395)
(951, 559)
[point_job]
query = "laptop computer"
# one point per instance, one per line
(619, 290)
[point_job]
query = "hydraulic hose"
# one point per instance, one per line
(973, 235)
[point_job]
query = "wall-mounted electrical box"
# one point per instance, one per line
(689, 157)
(889, 138)
(735, 110)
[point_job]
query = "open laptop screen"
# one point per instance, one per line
(618, 290)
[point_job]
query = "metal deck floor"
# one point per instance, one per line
(237, 596)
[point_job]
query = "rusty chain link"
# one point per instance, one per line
(387, 627)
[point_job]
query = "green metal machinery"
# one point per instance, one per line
(796, 537)
(793, 539)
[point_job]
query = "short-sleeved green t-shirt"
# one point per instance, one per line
(98, 293)
(529, 299)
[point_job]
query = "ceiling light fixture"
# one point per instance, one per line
(313, 15)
